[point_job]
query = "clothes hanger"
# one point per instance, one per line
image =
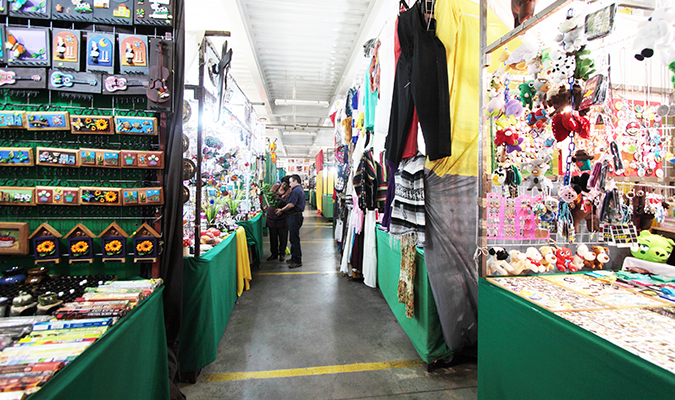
(402, 6)
(428, 8)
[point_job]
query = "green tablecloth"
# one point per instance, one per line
(254, 234)
(424, 330)
(526, 352)
(312, 198)
(209, 294)
(327, 206)
(128, 362)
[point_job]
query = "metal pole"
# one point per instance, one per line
(200, 128)
(483, 62)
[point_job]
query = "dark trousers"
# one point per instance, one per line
(294, 222)
(278, 241)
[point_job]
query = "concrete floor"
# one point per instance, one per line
(290, 322)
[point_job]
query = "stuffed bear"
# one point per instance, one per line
(535, 258)
(497, 262)
(564, 259)
(584, 257)
(601, 256)
(549, 258)
(520, 263)
(563, 66)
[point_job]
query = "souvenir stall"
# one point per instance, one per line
(87, 134)
(576, 168)
(223, 170)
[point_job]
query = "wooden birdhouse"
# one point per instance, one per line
(80, 244)
(45, 241)
(114, 243)
(145, 244)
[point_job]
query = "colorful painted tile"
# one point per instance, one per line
(136, 125)
(57, 157)
(51, 121)
(91, 124)
(17, 196)
(60, 196)
(16, 157)
(12, 119)
(100, 158)
(100, 196)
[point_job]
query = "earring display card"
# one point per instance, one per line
(114, 12)
(154, 12)
(126, 85)
(16, 157)
(66, 48)
(27, 47)
(100, 196)
(91, 124)
(101, 53)
(23, 78)
(57, 157)
(133, 54)
(70, 81)
(57, 196)
(143, 159)
(73, 10)
(48, 121)
(142, 196)
(161, 80)
(136, 125)
(12, 119)
(100, 158)
(39, 9)
(17, 196)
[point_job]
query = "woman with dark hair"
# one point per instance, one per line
(277, 223)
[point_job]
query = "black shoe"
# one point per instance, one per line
(289, 261)
(295, 265)
(281, 258)
(272, 257)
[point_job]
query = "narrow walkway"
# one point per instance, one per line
(309, 333)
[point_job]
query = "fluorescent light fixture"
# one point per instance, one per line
(314, 103)
(300, 133)
(297, 145)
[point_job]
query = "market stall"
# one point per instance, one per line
(254, 236)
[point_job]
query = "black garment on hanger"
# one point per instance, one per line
(421, 82)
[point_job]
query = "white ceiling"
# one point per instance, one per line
(285, 49)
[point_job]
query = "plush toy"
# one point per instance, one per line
(564, 259)
(601, 256)
(535, 258)
(562, 66)
(495, 106)
(559, 97)
(567, 194)
(541, 85)
(654, 33)
(536, 180)
(549, 258)
(585, 66)
(497, 261)
(571, 34)
(522, 10)
(517, 61)
(513, 108)
(520, 263)
(570, 121)
(506, 137)
(527, 93)
(584, 257)
(583, 160)
(650, 247)
(580, 183)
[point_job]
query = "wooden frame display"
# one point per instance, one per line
(16, 157)
(100, 196)
(154, 12)
(17, 196)
(66, 45)
(136, 125)
(12, 119)
(13, 238)
(100, 158)
(39, 9)
(133, 54)
(46, 244)
(57, 157)
(71, 81)
(118, 12)
(143, 196)
(142, 159)
(91, 125)
(80, 244)
(48, 121)
(127, 85)
(57, 195)
(28, 47)
(68, 10)
(100, 52)
(145, 244)
(23, 78)
(114, 243)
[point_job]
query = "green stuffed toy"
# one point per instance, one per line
(585, 66)
(654, 248)
(527, 92)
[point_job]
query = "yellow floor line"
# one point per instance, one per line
(298, 273)
(327, 370)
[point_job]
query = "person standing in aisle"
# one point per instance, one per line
(277, 222)
(294, 209)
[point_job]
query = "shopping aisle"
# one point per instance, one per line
(298, 333)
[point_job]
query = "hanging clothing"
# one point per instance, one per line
(389, 200)
(369, 104)
(407, 214)
(421, 82)
(387, 73)
(410, 147)
(351, 93)
(406, 278)
(370, 250)
(356, 259)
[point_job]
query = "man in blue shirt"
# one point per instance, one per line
(294, 209)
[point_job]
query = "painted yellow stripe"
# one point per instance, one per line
(298, 273)
(327, 370)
